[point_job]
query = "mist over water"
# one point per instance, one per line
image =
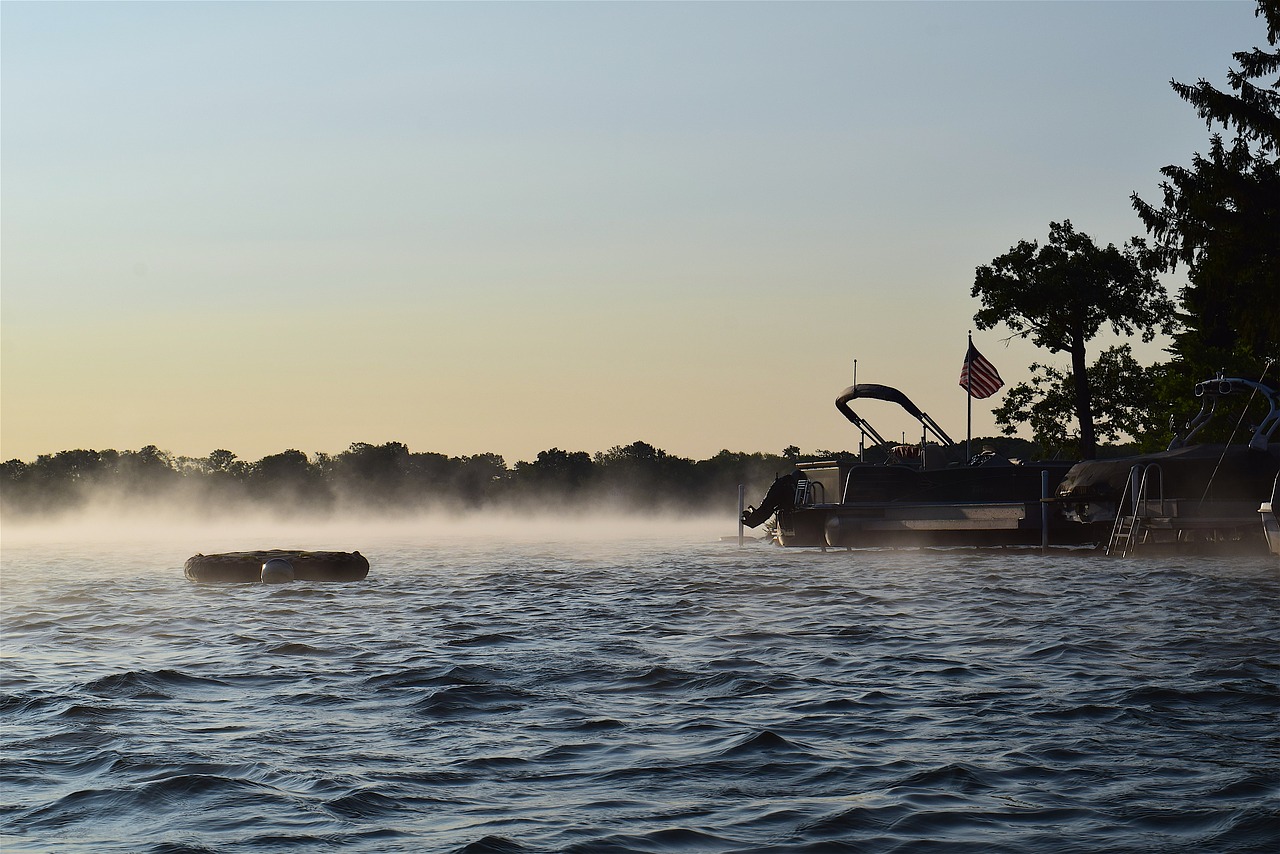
(179, 528)
(514, 683)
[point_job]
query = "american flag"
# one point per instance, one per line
(981, 373)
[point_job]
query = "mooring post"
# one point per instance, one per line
(1044, 511)
(742, 506)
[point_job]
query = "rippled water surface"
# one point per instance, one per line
(638, 692)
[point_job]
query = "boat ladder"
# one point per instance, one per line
(808, 492)
(1130, 531)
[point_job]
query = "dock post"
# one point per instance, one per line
(742, 498)
(1044, 511)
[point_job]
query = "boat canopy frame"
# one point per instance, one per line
(874, 391)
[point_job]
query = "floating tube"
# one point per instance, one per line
(246, 567)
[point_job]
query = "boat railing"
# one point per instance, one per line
(809, 492)
(1144, 497)
(1135, 508)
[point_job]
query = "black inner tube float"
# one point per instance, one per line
(276, 566)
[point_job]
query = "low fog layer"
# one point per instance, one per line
(190, 533)
(388, 480)
(379, 482)
(371, 494)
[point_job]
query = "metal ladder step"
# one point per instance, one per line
(1130, 532)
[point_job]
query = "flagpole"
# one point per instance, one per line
(968, 375)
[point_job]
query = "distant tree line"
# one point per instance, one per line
(386, 478)
(389, 479)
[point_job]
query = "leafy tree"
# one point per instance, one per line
(287, 481)
(1220, 217)
(715, 480)
(849, 457)
(555, 469)
(480, 478)
(637, 453)
(642, 473)
(1123, 396)
(78, 466)
(289, 466)
(220, 468)
(219, 479)
(432, 474)
(1011, 447)
(225, 461)
(57, 481)
(1061, 294)
(377, 474)
(14, 471)
(147, 471)
(148, 461)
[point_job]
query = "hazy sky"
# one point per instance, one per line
(503, 227)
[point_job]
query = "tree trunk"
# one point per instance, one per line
(1084, 400)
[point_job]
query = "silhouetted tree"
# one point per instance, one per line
(716, 479)
(555, 471)
(75, 467)
(146, 473)
(225, 462)
(432, 476)
(479, 479)
(44, 485)
(1221, 218)
(639, 472)
(1123, 398)
(376, 474)
(286, 466)
(288, 482)
(1061, 294)
(13, 471)
(219, 480)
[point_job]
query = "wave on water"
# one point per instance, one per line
(646, 695)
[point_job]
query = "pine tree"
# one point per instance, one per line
(1220, 217)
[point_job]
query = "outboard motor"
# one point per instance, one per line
(781, 496)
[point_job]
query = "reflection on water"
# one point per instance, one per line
(643, 691)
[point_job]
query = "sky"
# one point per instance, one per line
(506, 227)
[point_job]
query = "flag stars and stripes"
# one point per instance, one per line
(978, 376)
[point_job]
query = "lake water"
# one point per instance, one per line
(633, 688)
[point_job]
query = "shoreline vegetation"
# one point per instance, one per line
(390, 479)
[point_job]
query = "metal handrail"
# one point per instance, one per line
(1142, 487)
(1138, 506)
(809, 492)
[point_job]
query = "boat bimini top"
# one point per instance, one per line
(892, 395)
